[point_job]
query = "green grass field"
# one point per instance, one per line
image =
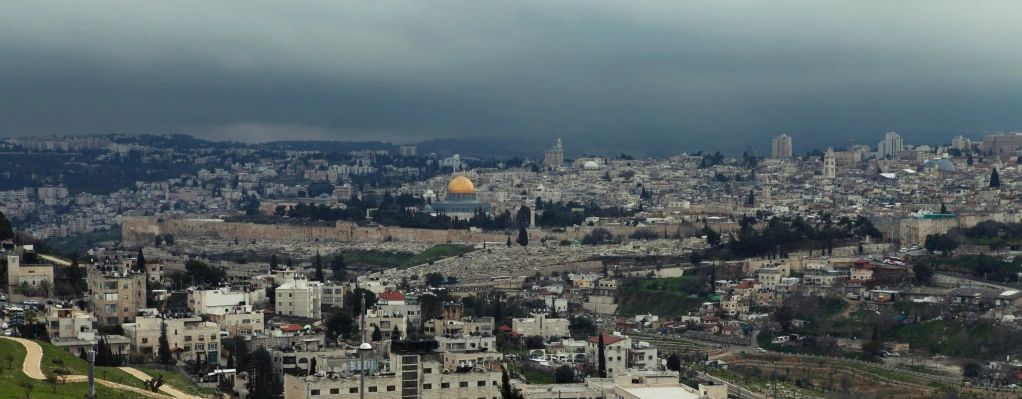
(78, 366)
(179, 382)
(11, 378)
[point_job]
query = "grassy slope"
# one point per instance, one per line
(179, 382)
(404, 260)
(81, 367)
(652, 298)
(9, 380)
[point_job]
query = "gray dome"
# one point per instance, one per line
(590, 165)
(943, 165)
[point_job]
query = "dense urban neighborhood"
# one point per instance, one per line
(175, 266)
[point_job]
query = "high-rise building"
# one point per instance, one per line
(408, 150)
(961, 143)
(829, 164)
(891, 146)
(1002, 143)
(781, 147)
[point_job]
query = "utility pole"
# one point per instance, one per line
(92, 374)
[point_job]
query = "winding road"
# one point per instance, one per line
(33, 369)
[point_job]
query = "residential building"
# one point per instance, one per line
(781, 148)
(298, 296)
(615, 351)
(891, 146)
(409, 376)
(408, 150)
(189, 337)
(116, 293)
(24, 265)
(540, 325)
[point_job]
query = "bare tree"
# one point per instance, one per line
(28, 386)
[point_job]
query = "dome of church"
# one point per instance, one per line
(590, 165)
(428, 194)
(460, 185)
(942, 165)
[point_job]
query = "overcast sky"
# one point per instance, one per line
(678, 75)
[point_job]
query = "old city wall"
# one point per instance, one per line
(914, 231)
(138, 231)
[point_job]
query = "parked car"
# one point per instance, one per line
(31, 302)
(7, 332)
(3, 298)
(761, 350)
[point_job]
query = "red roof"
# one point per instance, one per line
(861, 260)
(504, 328)
(607, 339)
(392, 296)
(292, 328)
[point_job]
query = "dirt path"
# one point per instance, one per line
(164, 388)
(33, 369)
(57, 260)
(852, 306)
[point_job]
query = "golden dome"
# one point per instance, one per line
(460, 185)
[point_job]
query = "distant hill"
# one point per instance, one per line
(325, 146)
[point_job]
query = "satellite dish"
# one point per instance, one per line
(663, 362)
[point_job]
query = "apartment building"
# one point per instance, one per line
(298, 296)
(67, 323)
(188, 336)
(410, 376)
(540, 325)
(24, 265)
(615, 351)
(116, 293)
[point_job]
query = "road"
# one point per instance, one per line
(55, 260)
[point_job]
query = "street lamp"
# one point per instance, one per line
(363, 349)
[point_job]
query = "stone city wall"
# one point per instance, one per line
(137, 231)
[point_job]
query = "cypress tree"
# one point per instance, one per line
(995, 179)
(603, 360)
(164, 351)
(273, 262)
(523, 237)
(319, 268)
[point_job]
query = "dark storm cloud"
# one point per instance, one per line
(656, 76)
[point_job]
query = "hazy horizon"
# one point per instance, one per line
(654, 76)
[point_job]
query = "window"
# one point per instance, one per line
(188, 337)
(372, 389)
(463, 384)
(427, 386)
(187, 348)
(390, 388)
(335, 391)
(445, 385)
(314, 392)
(200, 347)
(352, 390)
(145, 340)
(481, 384)
(211, 347)
(110, 297)
(289, 295)
(110, 308)
(427, 370)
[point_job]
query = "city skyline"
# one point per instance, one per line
(639, 77)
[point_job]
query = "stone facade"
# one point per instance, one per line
(117, 295)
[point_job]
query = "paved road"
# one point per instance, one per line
(33, 369)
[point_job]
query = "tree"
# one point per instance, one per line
(972, 370)
(62, 373)
(44, 288)
(434, 279)
(509, 241)
(602, 368)
(564, 375)
(202, 272)
(377, 335)
(6, 230)
(263, 383)
(164, 351)
(51, 380)
(943, 209)
(995, 179)
(339, 326)
(158, 241)
(922, 271)
(273, 262)
(969, 160)
(319, 268)
(169, 238)
(674, 362)
(28, 386)
(523, 237)
(752, 199)
(784, 316)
